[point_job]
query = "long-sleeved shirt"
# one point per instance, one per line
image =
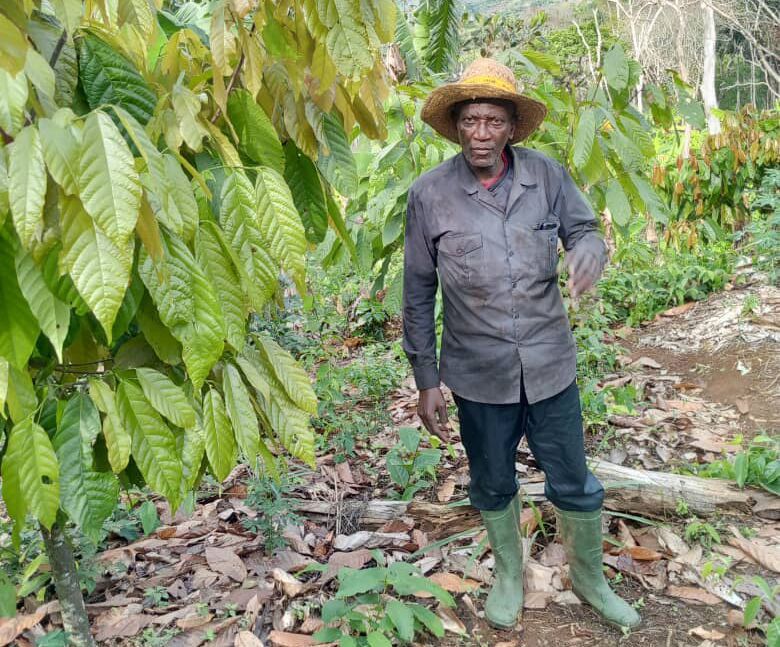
(505, 327)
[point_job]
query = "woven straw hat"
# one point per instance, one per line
(483, 79)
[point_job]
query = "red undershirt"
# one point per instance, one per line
(494, 180)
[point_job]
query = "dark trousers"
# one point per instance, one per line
(553, 427)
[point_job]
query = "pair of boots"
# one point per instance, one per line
(580, 534)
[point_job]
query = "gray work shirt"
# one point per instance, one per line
(505, 327)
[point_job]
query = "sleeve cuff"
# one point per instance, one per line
(426, 377)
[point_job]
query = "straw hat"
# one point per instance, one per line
(483, 79)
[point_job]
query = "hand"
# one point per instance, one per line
(584, 269)
(430, 404)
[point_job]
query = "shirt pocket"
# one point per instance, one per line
(461, 258)
(544, 240)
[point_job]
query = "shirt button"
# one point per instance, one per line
(511, 253)
(460, 250)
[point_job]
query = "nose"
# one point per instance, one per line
(482, 132)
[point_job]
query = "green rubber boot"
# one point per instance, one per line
(580, 533)
(505, 601)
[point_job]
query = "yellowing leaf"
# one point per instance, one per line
(37, 69)
(52, 314)
(218, 435)
(109, 186)
(27, 186)
(280, 224)
(241, 412)
(186, 105)
(153, 444)
(61, 152)
(13, 98)
(100, 269)
(166, 397)
(138, 13)
(13, 46)
(116, 436)
(30, 475)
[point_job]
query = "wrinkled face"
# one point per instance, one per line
(483, 131)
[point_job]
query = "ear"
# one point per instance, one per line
(512, 129)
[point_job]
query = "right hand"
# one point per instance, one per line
(432, 410)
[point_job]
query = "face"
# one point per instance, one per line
(483, 130)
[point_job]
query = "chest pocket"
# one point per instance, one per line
(544, 245)
(461, 259)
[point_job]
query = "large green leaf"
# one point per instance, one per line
(45, 32)
(443, 24)
(18, 326)
(180, 199)
(335, 159)
(402, 617)
(4, 370)
(117, 438)
(304, 181)
(213, 257)
(289, 374)
(61, 150)
(238, 218)
(652, 202)
(13, 98)
(218, 434)
(241, 412)
(166, 397)
(52, 314)
(257, 137)
(584, 137)
(87, 496)
(109, 186)
(280, 224)
(109, 78)
(615, 67)
(153, 444)
(27, 186)
(191, 446)
(100, 269)
(169, 286)
(21, 398)
(617, 202)
(30, 475)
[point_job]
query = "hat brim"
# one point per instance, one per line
(437, 109)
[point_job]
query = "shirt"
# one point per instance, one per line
(505, 327)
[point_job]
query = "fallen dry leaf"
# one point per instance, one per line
(539, 578)
(311, 625)
(357, 559)
(678, 310)
(226, 562)
(112, 625)
(450, 582)
(643, 554)
(10, 628)
(287, 639)
(450, 621)
(446, 490)
(692, 594)
(290, 585)
(247, 639)
(190, 622)
(647, 362)
(706, 634)
(553, 555)
(743, 406)
(767, 556)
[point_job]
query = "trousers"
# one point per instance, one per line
(553, 428)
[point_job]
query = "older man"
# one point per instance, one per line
(486, 224)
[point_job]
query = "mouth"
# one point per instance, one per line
(481, 151)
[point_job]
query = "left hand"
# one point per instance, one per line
(584, 269)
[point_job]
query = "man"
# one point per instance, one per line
(486, 223)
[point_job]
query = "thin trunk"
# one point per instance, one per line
(708, 94)
(66, 583)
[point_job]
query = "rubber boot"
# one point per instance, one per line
(505, 601)
(580, 533)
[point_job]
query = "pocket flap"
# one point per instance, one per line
(460, 244)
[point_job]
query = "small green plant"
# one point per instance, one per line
(768, 597)
(156, 638)
(156, 596)
(681, 508)
(716, 567)
(410, 465)
(703, 532)
(270, 499)
(369, 610)
(751, 303)
(758, 464)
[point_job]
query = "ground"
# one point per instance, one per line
(706, 374)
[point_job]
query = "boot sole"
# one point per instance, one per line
(502, 627)
(612, 623)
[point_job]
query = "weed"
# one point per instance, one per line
(410, 465)
(156, 596)
(703, 532)
(682, 509)
(768, 597)
(154, 638)
(758, 464)
(751, 303)
(270, 499)
(368, 609)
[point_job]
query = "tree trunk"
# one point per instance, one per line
(708, 92)
(66, 583)
(640, 492)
